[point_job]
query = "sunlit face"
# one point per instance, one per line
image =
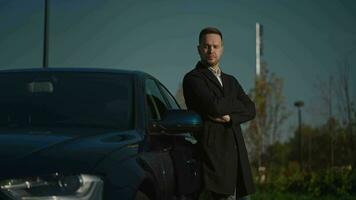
(210, 49)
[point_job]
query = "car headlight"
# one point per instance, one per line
(56, 186)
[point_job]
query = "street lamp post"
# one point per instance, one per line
(300, 104)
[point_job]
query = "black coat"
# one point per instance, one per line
(222, 147)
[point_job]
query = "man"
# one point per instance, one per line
(223, 105)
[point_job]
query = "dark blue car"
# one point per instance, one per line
(93, 134)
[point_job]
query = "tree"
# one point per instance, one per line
(180, 97)
(277, 108)
(336, 94)
(343, 93)
(327, 93)
(271, 113)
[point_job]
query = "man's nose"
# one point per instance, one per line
(210, 49)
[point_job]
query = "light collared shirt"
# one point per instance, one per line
(217, 73)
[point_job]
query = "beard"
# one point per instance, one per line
(209, 63)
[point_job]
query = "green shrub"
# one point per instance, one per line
(337, 181)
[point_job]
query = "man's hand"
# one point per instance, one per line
(223, 119)
(217, 119)
(226, 118)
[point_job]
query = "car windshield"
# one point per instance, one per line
(66, 99)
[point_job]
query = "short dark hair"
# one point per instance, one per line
(209, 30)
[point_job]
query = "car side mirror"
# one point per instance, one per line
(178, 121)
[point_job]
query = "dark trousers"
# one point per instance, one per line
(217, 196)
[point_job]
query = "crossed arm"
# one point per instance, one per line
(222, 119)
(235, 107)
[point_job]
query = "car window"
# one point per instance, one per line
(156, 105)
(172, 102)
(66, 99)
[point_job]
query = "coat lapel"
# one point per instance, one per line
(209, 75)
(226, 83)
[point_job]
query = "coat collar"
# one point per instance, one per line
(200, 67)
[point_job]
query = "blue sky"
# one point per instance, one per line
(303, 40)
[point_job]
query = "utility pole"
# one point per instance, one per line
(260, 97)
(45, 32)
(259, 51)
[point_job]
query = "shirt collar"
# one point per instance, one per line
(216, 70)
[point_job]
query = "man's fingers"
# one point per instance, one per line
(223, 119)
(226, 118)
(219, 119)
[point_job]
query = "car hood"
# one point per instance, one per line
(41, 152)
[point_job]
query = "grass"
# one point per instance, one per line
(291, 196)
(273, 195)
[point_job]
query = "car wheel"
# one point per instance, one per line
(141, 196)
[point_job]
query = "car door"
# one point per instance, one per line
(183, 153)
(158, 156)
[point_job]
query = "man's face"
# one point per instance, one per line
(210, 49)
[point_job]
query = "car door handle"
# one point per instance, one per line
(132, 145)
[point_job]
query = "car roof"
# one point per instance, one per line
(89, 70)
